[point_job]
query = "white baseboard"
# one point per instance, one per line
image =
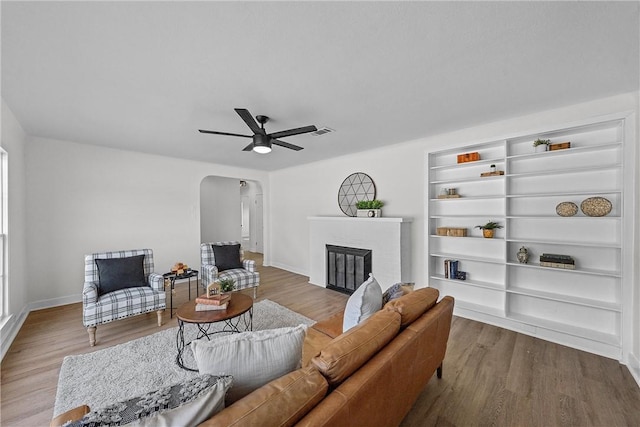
(634, 367)
(9, 330)
(290, 269)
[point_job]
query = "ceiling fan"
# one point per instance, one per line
(262, 140)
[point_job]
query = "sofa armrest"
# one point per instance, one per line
(90, 293)
(249, 265)
(74, 414)
(156, 281)
(209, 274)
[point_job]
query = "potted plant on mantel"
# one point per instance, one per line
(541, 145)
(369, 208)
(488, 229)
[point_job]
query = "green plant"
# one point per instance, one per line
(227, 285)
(541, 141)
(491, 225)
(369, 204)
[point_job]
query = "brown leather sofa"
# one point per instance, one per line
(370, 375)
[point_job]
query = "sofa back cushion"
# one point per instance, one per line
(282, 402)
(348, 352)
(413, 305)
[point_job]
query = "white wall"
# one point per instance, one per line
(220, 209)
(85, 199)
(251, 191)
(13, 141)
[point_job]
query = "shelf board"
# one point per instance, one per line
(565, 194)
(470, 237)
(565, 171)
(461, 198)
(469, 179)
(564, 218)
(611, 339)
(468, 164)
(565, 298)
(572, 150)
(468, 257)
(466, 216)
(476, 283)
(566, 243)
(590, 271)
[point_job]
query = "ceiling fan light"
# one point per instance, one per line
(262, 149)
(261, 143)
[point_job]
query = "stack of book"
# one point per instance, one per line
(557, 261)
(215, 302)
(450, 268)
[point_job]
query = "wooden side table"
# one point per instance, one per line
(238, 317)
(172, 277)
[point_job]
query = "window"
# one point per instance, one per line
(3, 233)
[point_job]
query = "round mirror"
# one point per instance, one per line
(357, 186)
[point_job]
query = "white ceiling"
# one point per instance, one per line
(144, 76)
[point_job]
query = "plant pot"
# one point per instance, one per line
(488, 233)
(540, 148)
(369, 213)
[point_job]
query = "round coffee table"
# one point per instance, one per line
(238, 317)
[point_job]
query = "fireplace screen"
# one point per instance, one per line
(347, 268)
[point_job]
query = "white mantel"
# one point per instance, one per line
(389, 239)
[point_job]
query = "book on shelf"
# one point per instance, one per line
(557, 259)
(566, 266)
(209, 307)
(450, 268)
(213, 300)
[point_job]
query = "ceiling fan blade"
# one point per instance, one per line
(286, 144)
(224, 133)
(248, 147)
(248, 119)
(291, 132)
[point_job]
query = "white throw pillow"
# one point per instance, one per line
(365, 301)
(252, 358)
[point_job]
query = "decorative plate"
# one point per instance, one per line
(567, 209)
(596, 206)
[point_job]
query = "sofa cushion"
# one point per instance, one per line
(252, 358)
(331, 326)
(365, 301)
(227, 257)
(187, 403)
(348, 352)
(314, 342)
(414, 304)
(120, 273)
(282, 402)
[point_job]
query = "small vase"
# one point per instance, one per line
(487, 233)
(523, 255)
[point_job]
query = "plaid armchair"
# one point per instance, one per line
(246, 277)
(98, 309)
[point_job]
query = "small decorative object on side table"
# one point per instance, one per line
(172, 276)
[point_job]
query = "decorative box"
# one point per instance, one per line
(468, 157)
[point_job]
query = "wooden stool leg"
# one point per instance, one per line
(160, 317)
(92, 335)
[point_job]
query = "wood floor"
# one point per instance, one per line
(491, 376)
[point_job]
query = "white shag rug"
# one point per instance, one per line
(145, 364)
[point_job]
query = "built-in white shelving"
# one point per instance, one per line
(581, 307)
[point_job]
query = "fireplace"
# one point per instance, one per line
(347, 268)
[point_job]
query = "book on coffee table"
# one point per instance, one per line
(210, 307)
(213, 300)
